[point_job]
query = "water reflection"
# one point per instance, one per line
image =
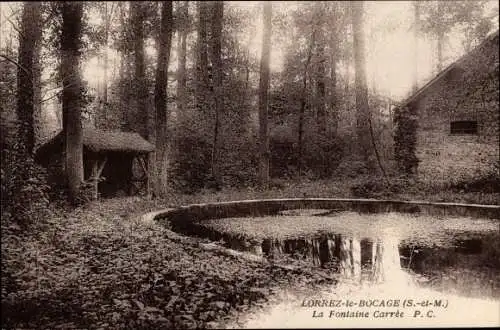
(465, 266)
(358, 259)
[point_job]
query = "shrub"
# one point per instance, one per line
(405, 139)
(25, 192)
(486, 183)
(321, 154)
(351, 168)
(240, 162)
(190, 169)
(379, 187)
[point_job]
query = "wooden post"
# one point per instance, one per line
(143, 160)
(96, 173)
(95, 180)
(148, 180)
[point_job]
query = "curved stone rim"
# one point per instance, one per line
(260, 207)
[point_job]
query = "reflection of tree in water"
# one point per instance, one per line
(469, 267)
(467, 264)
(387, 262)
(353, 258)
(350, 257)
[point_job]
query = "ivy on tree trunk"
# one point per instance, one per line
(72, 94)
(405, 140)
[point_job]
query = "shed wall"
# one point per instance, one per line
(469, 93)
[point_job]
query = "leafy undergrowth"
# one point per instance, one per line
(101, 267)
(359, 187)
(477, 192)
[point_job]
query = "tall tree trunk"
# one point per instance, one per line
(303, 101)
(320, 69)
(124, 72)
(202, 56)
(140, 87)
(216, 55)
(333, 73)
(165, 42)
(416, 29)
(263, 97)
(30, 36)
(372, 46)
(107, 16)
(440, 38)
(362, 108)
(320, 87)
(181, 70)
(37, 93)
(71, 96)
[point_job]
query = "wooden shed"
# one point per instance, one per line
(115, 162)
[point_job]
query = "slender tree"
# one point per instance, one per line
(216, 56)
(320, 67)
(182, 48)
(334, 54)
(30, 35)
(164, 45)
(362, 108)
(440, 36)
(71, 96)
(202, 55)
(139, 121)
(263, 97)
(303, 99)
(439, 18)
(108, 15)
(416, 28)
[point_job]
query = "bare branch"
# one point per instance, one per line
(15, 63)
(57, 93)
(14, 26)
(14, 13)
(51, 97)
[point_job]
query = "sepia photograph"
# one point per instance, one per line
(250, 164)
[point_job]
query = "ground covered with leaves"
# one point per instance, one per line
(102, 267)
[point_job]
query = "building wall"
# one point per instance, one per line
(470, 93)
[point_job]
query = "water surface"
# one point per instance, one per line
(452, 261)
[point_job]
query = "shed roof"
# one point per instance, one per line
(99, 140)
(449, 68)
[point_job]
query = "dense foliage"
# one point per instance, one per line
(405, 139)
(25, 191)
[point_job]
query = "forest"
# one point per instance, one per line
(240, 100)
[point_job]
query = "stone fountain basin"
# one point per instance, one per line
(254, 208)
(187, 220)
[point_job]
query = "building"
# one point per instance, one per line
(451, 124)
(115, 162)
